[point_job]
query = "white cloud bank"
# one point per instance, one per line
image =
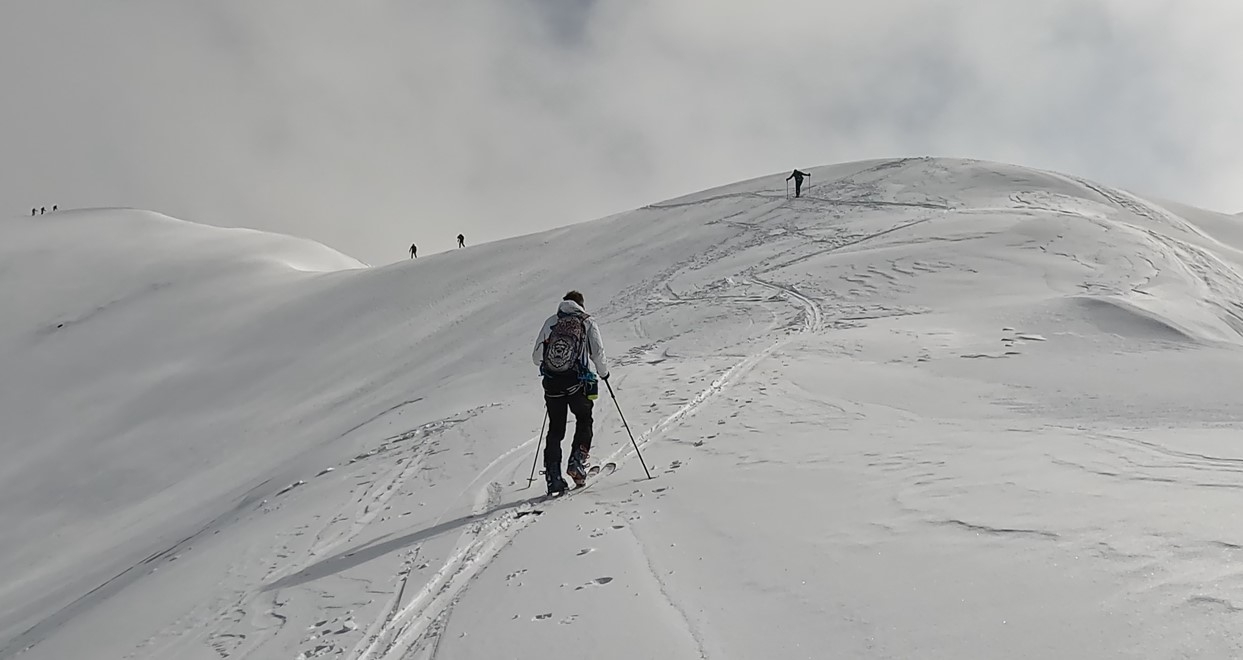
(368, 125)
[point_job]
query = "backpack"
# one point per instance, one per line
(563, 350)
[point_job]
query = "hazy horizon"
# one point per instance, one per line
(368, 127)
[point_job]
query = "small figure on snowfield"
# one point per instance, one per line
(461, 241)
(566, 341)
(414, 251)
(798, 182)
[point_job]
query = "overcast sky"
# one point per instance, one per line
(371, 124)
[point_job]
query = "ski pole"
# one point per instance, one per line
(623, 419)
(535, 462)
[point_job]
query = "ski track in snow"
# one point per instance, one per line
(375, 495)
(407, 453)
(394, 635)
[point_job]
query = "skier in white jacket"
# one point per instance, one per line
(567, 340)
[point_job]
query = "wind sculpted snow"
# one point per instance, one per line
(933, 408)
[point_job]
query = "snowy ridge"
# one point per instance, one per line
(932, 408)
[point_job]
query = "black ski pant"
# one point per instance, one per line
(559, 408)
(798, 187)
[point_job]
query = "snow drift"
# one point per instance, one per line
(932, 408)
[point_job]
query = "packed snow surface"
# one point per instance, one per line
(931, 409)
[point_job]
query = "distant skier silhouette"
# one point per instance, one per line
(42, 210)
(798, 182)
(414, 251)
(34, 212)
(53, 208)
(461, 241)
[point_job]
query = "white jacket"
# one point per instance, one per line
(594, 347)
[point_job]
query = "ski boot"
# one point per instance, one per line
(556, 484)
(577, 468)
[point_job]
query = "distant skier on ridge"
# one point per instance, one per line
(414, 251)
(798, 182)
(566, 340)
(461, 241)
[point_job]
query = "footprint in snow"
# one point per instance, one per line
(585, 551)
(600, 581)
(541, 617)
(321, 650)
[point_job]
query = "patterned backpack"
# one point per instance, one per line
(563, 350)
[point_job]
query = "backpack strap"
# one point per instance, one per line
(583, 368)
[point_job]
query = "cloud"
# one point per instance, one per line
(369, 125)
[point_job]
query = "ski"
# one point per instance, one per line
(596, 469)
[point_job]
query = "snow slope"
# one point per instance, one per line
(934, 408)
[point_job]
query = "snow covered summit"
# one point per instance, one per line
(930, 408)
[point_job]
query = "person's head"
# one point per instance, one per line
(575, 296)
